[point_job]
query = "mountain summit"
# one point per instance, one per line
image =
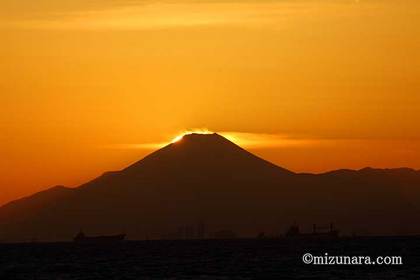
(202, 153)
(206, 179)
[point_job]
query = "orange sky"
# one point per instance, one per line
(312, 85)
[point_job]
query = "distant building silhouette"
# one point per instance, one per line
(189, 231)
(224, 234)
(317, 232)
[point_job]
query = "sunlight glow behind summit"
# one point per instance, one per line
(188, 132)
(252, 140)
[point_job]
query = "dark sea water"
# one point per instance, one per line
(207, 259)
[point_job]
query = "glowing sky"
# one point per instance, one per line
(312, 85)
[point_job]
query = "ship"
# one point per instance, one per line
(317, 232)
(82, 238)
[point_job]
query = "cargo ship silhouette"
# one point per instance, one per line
(82, 238)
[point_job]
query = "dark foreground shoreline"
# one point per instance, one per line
(208, 259)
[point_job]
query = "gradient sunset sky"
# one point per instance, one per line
(311, 85)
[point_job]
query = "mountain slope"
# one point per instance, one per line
(208, 179)
(27, 206)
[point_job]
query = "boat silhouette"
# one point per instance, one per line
(82, 238)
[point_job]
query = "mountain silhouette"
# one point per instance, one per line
(206, 179)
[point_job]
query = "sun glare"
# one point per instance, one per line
(197, 131)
